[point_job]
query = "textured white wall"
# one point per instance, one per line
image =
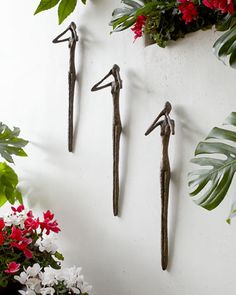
(118, 255)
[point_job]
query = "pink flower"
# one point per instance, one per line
(188, 10)
(19, 209)
(225, 6)
(49, 225)
(138, 27)
(13, 267)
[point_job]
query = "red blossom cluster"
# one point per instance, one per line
(22, 238)
(138, 26)
(189, 9)
(223, 5)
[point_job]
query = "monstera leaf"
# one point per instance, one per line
(10, 143)
(217, 157)
(225, 46)
(125, 17)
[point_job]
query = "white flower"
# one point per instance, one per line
(15, 219)
(22, 278)
(84, 287)
(48, 277)
(69, 276)
(33, 283)
(47, 244)
(47, 291)
(27, 292)
(33, 271)
(76, 291)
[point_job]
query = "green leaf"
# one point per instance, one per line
(45, 5)
(66, 7)
(10, 143)
(217, 155)
(84, 1)
(59, 256)
(224, 23)
(226, 46)
(8, 185)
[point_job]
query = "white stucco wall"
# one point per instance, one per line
(119, 256)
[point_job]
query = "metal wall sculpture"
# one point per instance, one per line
(71, 77)
(167, 128)
(115, 85)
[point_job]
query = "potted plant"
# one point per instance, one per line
(29, 260)
(163, 21)
(24, 241)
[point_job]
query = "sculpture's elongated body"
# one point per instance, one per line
(71, 77)
(167, 127)
(115, 85)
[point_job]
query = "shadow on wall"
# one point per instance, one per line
(186, 131)
(133, 86)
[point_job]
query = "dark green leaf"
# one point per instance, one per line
(211, 184)
(66, 7)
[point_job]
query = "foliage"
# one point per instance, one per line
(217, 157)
(8, 185)
(10, 144)
(25, 240)
(65, 7)
(168, 20)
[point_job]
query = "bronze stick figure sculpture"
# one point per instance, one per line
(167, 127)
(115, 85)
(71, 76)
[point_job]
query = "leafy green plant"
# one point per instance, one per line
(10, 144)
(217, 157)
(65, 7)
(167, 20)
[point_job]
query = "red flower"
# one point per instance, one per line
(30, 214)
(16, 234)
(225, 6)
(22, 245)
(48, 224)
(31, 224)
(13, 267)
(2, 238)
(2, 224)
(138, 27)
(188, 10)
(19, 209)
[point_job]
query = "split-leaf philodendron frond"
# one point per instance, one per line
(217, 157)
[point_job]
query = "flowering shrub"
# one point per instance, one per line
(50, 281)
(166, 20)
(26, 240)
